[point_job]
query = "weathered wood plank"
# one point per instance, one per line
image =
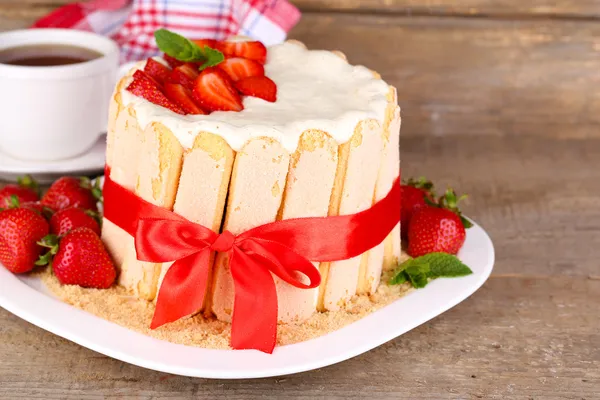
(517, 338)
(501, 8)
(504, 8)
(473, 76)
(534, 196)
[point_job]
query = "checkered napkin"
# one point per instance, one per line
(132, 23)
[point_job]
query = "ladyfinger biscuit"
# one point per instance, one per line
(158, 169)
(356, 194)
(127, 139)
(307, 194)
(370, 273)
(203, 185)
(255, 193)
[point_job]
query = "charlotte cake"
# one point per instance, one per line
(328, 145)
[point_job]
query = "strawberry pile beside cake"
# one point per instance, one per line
(237, 135)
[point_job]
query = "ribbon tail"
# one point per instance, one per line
(254, 321)
(183, 289)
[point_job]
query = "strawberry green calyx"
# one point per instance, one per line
(14, 201)
(450, 201)
(421, 183)
(94, 187)
(27, 181)
(51, 243)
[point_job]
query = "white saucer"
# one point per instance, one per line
(89, 163)
(27, 298)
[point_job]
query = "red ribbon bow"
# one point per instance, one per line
(281, 248)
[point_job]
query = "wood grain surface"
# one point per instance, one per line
(499, 100)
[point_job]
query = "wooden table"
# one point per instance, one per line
(500, 99)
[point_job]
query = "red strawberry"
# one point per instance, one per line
(25, 190)
(205, 42)
(239, 68)
(72, 218)
(258, 86)
(172, 61)
(39, 208)
(81, 259)
(185, 75)
(414, 194)
(157, 71)
(182, 97)
(214, 91)
(141, 75)
(69, 192)
(147, 89)
(20, 230)
(251, 50)
(437, 228)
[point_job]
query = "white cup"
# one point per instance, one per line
(55, 112)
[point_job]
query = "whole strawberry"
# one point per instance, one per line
(20, 230)
(437, 228)
(68, 219)
(81, 259)
(69, 192)
(414, 195)
(26, 190)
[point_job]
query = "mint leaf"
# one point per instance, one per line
(411, 270)
(417, 274)
(419, 270)
(443, 265)
(185, 50)
(212, 56)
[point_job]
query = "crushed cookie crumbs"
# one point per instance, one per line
(119, 306)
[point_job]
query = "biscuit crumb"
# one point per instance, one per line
(121, 307)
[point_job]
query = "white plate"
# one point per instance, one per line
(89, 163)
(27, 298)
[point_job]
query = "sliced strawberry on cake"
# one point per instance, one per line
(214, 91)
(252, 50)
(185, 75)
(172, 61)
(182, 96)
(258, 86)
(146, 87)
(239, 68)
(156, 70)
(205, 42)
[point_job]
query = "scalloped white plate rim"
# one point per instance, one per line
(27, 298)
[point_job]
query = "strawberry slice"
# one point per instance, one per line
(258, 86)
(146, 87)
(172, 61)
(185, 75)
(214, 91)
(157, 71)
(141, 75)
(251, 50)
(182, 96)
(239, 68)
(205, 42)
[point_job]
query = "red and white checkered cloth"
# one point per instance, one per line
(132, 23)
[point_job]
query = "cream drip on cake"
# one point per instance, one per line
(315, 90)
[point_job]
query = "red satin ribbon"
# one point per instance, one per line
(281, 248)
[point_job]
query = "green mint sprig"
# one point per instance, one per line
(185, 50)
(419, 270)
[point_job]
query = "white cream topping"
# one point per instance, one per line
(315, 90)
